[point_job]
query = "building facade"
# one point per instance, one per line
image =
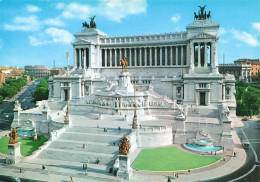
(37, 71)
(255, 66)
(242, 72)
(182, 66)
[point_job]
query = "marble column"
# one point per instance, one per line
(145, 56)
(199, 55)
(130, 57)
(171, 57)
(105, 57)
(85, 56)
(205, 54)
(182, 55)
(166, 60)
(160, 56)
(176, 58)
(223, 92)
(140, 57)
(135, 58)
(110, 57)
(115, 58)
(80, 55)
(150, 57)
(155, 55)
(75, 58)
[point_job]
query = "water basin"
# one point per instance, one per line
(204, 148)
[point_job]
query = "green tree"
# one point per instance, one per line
(252, 103)
(41, 92)
(1, 99)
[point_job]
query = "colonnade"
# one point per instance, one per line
(145, 56)
(203, 54)
(81, 58)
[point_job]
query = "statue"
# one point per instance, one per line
(208, 15)
(92, 24)
(124, 148)
(202, 15)
(226, 112)
(124, 64)
(35, 135)
(13, 136)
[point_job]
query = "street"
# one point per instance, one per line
(6, 108)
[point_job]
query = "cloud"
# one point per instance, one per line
(223, 41)
(75, 10)
(256, 26)
(115, 10)
(60, 6)
(30, 23)
(222, 31)
(54, 22)
(176, 18)
(33, 9)
(51, 35)
(245, 37)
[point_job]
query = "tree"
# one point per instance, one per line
(41, 92)
(252, 103)
(1, 99)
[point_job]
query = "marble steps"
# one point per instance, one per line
(90, 146)
(198, 112)
(77, 156)
(100, 130)
(96, 172)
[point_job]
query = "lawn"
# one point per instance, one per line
(28, 146)
(171, 159)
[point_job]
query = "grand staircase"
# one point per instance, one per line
(68, 151)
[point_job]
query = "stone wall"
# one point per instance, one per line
(155, 136)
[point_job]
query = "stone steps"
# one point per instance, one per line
(95, 130)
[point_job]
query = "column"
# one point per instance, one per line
(223, 92)
(120, 54)
(145, 56)
(150, 57)
(171, 56)
(160, 56)
(205, 54)
(135, 56)
(130, 57)
(75, 59)
(208, 95)
(165, 63)
(176, 58)
(211, 54)
(182, 55)
(199, 55)
(80, 54)
(155, 55)
(140, 56)
(110, 57)
(85, 55)
(125, 53)
(115, 58)
(105, 57)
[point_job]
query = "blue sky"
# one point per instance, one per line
(35, 32)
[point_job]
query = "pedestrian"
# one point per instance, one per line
(211, 152)
(189, 171)
(215, 153)
(223, 148)
(235, 154)
(224, 159)
(177, 175)
(43, 167)
(86, 173)
(88, 160)
(83, 166)
(71, 179)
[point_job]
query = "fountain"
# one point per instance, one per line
(203, 143)
(26, 132)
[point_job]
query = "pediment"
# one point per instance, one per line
(203, 35)
(82, 41)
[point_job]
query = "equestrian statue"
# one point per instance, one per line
(202, 15)
(91, 24)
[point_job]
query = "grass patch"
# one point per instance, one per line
(171, 159)
(28, 146)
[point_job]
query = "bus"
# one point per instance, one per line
(246, 144)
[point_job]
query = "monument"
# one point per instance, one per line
(14, 155)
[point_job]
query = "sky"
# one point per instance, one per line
(37, 32)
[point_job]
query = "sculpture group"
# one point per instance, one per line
(13, 136)
(124, 64)
(91, 24)
(202, 15)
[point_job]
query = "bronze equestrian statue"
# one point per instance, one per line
(92, 24)
(13, 136)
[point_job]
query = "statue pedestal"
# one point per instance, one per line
(124, 170)
(14, 155)
(124, 84)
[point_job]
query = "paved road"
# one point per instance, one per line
(6, 108)
(251, 170)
